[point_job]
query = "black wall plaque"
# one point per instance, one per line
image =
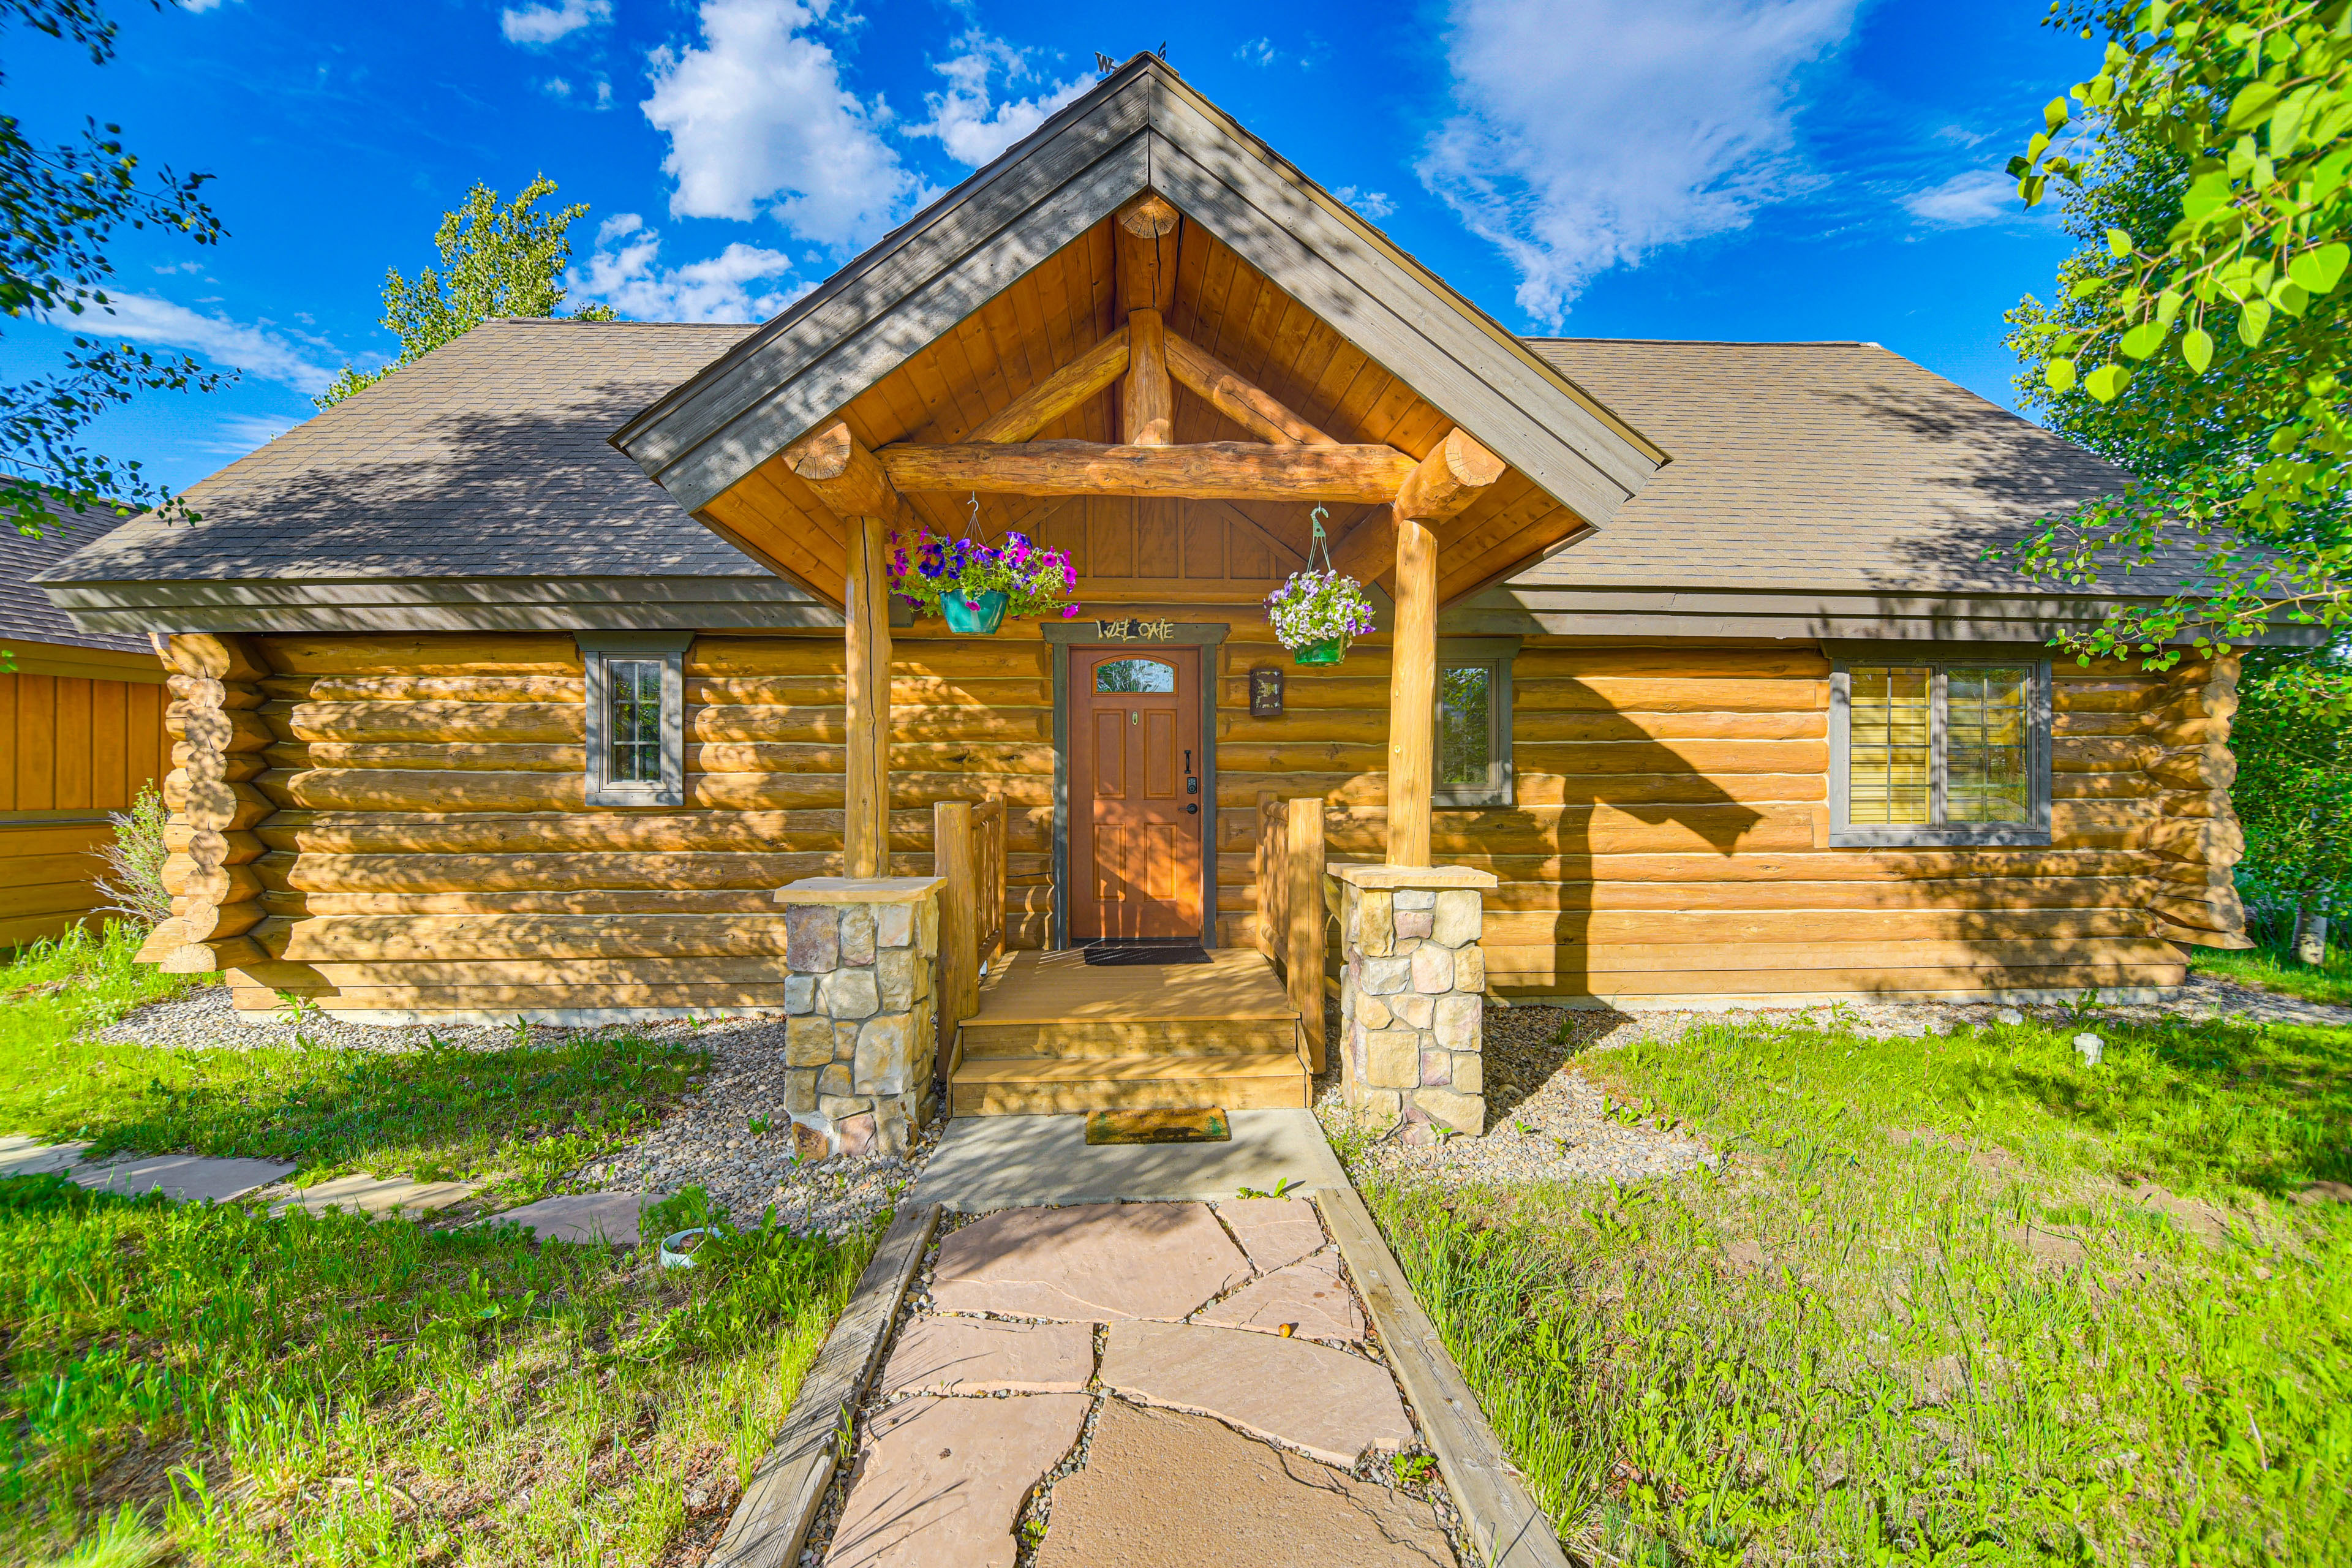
(1266, 692)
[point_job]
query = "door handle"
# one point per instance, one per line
(1192, 808)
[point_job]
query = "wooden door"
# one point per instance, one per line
(1138, 817)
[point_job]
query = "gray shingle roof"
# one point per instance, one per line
(1819, 467)
(26, 613)
(485, 458)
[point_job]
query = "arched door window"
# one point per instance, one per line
(1145, 675)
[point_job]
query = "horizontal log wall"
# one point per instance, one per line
(1670, 835)
(429, 847)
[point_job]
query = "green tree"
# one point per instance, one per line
(2199, 337)
(495, 261)
(64, 206)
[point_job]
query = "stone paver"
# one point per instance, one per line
(1163, 1490)
(364, 1193)
(978, 1355)
(988, 1163)
(1273, 1231)
(23, 1156)
(182, 1178)
(941, 1482)
(609, 1217)
(1333, 1405)
(1308, 1294)
(1101, 1263)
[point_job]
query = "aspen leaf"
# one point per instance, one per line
(2253, 320)
(2251, 104)
(2060, 374)
(2120, 244)
(2053, 115)
(2107, 382)
(2143, 339)
(2319, 271)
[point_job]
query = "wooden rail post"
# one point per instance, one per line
(866, 795)
(951, 858)
(1302, 936)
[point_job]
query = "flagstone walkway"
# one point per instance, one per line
(1136, 1385)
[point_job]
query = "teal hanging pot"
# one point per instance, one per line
(980, 615)
(1325, 650)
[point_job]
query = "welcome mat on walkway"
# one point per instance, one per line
(1146, 952)
(1208, 1126)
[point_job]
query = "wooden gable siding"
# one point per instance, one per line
(431, 848)
(1130, 550)
(73, 749)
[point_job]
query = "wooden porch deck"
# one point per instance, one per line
(1054, 1033)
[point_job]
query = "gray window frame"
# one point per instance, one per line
(1496, 655)
(1939, 657)
(597, 651)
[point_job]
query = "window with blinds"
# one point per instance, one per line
(1940, 750)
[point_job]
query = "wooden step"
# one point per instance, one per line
(1238, 1080)
(1129, 1036)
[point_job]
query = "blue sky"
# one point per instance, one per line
(1739, 169)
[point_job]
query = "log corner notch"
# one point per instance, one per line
(1457, 472)
(2198, 844)
(211, 847)
(851, 482)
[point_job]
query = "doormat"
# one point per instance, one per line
(1147, 952)
(1208, 1126)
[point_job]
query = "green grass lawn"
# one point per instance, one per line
(206, 1385)
(2275, 969)
(528, 1113)
(1919, 1314)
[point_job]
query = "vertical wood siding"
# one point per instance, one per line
(71, 750)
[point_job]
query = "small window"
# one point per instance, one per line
(1473, 765)
(1135, 675)
(1928, 750)
(637, 717)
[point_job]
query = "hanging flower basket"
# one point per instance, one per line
(1317, 612)
(974, 584)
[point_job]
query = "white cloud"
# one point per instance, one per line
(1968, 200)
(546, 24)
(972, 127)
(555, 87)
(200, 6)
(1592, 132)
(144, 318)
(623, 273)
(1257, 52)
(758, 121)
(1373, 205)
(242, 433)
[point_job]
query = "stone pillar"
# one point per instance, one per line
(863, 954)
(1413, 985)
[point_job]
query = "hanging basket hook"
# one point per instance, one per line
(1320, 544)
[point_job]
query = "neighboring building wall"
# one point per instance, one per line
(431, 849)
(74, 746)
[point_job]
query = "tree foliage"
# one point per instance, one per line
(2198, 338)
(495, 261)
(64, 204)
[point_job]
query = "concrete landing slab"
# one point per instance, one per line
(1161, 1488)
(980, 1355)
(1332, 1406)
(182, 1178)
(1100, 1263)
(608, 1217)
(364, 1193)
(1309, 1296)
(941, 1482)
(1275, 1232)
(23, 1156)
(986, 1163)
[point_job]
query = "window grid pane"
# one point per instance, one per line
(633, 741)
(1465, 734)
(1987, 742)
(1887, 773)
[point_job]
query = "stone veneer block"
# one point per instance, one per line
(850, 993)
(941, 1482)
(979, 1356)
(1414, 923)
(1393, 1058)
(1372, 925)
(1455, 1020)
(1324, 1402)
(881, 1061)
(1139, 1503)
(1382, 976)
(1458, 919)
(1309, 1296)
(1467, 1072)
(1412, 1009)
(1437, 1067)
(1372, 1011)
(1098, 1263)
(893, 925)
(808, 1042)
(800, 990)
(857, 934)
(1465, 1113)
(1433, 969)
(1275, 1232)
(811, 939)
(1415, 897)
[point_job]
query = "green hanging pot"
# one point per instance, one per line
(1324, 650)
(979, 615)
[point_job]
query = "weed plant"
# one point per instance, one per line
(1919, 1314)
(203, 1384)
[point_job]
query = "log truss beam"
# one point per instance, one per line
(1443, 485)
(1232, 395)
(1214, 470)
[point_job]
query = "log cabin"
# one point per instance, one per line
(522, 682)
(81, 734)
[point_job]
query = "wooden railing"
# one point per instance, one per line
(968, 851)
(1290, 914)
